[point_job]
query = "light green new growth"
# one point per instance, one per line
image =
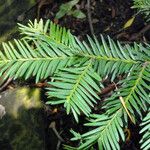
(76, 69)
(143, 7)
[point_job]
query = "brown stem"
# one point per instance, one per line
(137, 35)
(89, 17)
(108, 89)
(5, 84)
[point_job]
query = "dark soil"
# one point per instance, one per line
(108, 18)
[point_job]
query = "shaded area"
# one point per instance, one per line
(10, 10)
(22, 127)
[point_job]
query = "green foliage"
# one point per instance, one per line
(75, 87)
(107, 132)
(76, 69)
(68, 9)
(143, 6)
(41, 61)
(146, 130)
